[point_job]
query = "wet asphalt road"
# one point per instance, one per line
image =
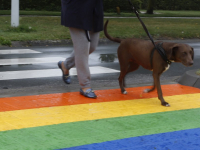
(104, 56)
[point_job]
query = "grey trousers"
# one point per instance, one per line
(79, 57)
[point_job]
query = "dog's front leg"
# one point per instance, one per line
(156, 77)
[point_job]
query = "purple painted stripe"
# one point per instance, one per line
(184, 140)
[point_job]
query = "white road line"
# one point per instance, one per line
(25, 61)
(18, 51)
(11, 75)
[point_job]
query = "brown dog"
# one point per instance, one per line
(133, 53)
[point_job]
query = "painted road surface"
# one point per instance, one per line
(113, 121)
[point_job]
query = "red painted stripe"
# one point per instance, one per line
(73, 98)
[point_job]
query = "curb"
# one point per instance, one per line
(39, 43)
(66, 42)
(190, 78)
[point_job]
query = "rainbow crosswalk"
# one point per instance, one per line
(113, 121)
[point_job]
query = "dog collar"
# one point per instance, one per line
(162, 53)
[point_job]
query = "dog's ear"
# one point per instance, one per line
(172, 51)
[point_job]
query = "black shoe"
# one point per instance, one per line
(88, 93)
(66, 77)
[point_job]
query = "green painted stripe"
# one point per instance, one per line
(96, 131)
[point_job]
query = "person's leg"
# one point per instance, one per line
(94, 37)
(70, 61)
(65, 66)
(81, 53)
(68, 64)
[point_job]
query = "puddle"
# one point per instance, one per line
(108, 57)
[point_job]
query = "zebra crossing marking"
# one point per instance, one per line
(25, 61)
(26, 74)
(18, 51)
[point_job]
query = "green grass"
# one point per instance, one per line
(158, 28)
(46, 28)
(49, 28)
(198, 72)
(21, 28)
(5, 42)
(157, 13)
(39, 13)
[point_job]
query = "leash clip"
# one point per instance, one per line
(135, 10)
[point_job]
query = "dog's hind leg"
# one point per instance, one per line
(151, 89)
(132, 66)
(129, 68)
(121, 78)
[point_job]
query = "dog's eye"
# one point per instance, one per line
(184, 53)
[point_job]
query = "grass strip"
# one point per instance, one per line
(157, 13)
(49, 28)
(96, 131)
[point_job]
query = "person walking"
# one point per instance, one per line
(84, 18)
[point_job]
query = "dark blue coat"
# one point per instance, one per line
(82, 14)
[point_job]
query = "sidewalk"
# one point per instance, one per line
(113, 121)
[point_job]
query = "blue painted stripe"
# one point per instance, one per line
(178, 140)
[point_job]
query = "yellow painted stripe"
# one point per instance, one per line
(64, 114)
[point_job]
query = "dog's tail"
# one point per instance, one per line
(108, 36)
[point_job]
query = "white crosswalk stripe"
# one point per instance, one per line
(41, 73)
(8, 75)
(18, 51)
(26, 61)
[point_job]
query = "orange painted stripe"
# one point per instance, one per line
(73, 98)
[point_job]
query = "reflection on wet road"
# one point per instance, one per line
(108, 57)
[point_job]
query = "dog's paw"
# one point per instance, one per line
(146, 91)
(166, 104)
(125, 92)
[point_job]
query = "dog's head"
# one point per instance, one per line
(183, 53)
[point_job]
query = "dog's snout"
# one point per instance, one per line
(191, 63)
